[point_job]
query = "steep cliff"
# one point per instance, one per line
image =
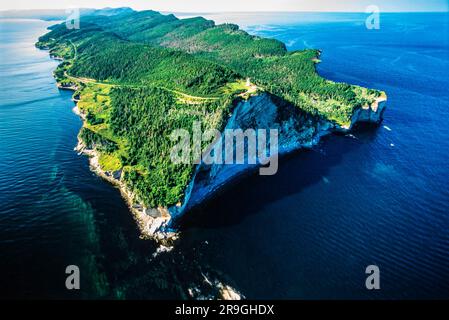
(296, 130)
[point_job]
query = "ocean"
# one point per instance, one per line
(376, 197)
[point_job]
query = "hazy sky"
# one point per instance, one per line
(234, 5)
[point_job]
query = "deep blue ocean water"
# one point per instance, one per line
(380, 197)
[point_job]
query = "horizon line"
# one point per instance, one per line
(227, 11)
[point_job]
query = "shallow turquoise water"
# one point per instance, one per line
(308, 232)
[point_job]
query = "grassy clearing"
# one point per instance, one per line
(109, 162)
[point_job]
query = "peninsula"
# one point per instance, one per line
(137, 76)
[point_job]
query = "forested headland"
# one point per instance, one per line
(140, 75)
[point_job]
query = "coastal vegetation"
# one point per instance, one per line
(140, 75)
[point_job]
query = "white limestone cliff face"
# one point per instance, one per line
(373, 113)
(296, 130)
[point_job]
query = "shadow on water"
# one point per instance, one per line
(297, 171)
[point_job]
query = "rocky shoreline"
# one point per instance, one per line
(150, 226)
(151, 221)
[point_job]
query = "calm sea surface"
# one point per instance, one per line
(378, 197)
